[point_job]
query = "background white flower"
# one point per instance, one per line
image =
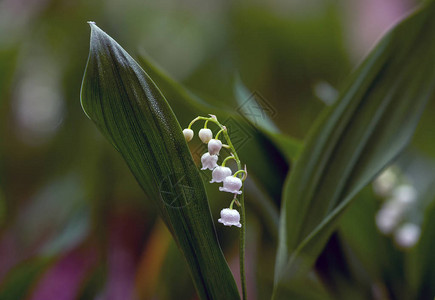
(407, 235)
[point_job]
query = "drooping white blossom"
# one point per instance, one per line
(188, 134)
(230, 217)
(383, 185)
(231, 185)
(214, 146)
(407, 235)
(388, 217)
(404, 194)
(220, 173)
(209, 161)
(205, 135)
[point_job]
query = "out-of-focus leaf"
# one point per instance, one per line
(93, 284)
(149, 267)
(69, 221)
(421, 259)
(358, 230)
(251, 108)
(2, 209)
(174, 275)
(65, 276)
(282, 54)
(134, 116)
(336, 273)
(8, 59)
(18, 281)
(368, 127)
(258, 116)
(370, 257)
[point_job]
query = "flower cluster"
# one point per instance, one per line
(231, 183)
(400, 197)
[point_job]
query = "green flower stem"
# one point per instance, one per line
(217, 134)
(226, 159)
(232, 203)
(241, 171)
(242, 237)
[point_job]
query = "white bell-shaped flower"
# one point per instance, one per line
(231, 185)
(407, 235)
(214, 146)
(388, 217)
(220, 173)
(405, 194)
(230, 217)
(205, 135)
(384, 184)
(209, 161)
(188, 134)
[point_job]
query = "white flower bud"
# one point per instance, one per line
(404, 194)
(230, 217)
(220, 173)
(407, 235)
(383, 185)
(214, 146)
(188, 134)
(231, 185)
(388, 218)
(205, 135)
(209, 161)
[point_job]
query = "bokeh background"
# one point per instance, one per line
(73, 222)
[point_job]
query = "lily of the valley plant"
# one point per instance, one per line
(232, 183)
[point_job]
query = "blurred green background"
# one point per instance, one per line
(74, 223)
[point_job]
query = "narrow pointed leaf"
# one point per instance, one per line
(369, 126)
(134, 116)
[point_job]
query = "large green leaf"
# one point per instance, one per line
(134, 116)
(369, 126)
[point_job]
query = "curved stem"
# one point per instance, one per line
(193, 121)
(217, 134)
(241, 171)
(232, 203)
(226, 159)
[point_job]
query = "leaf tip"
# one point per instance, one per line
(91, 23)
